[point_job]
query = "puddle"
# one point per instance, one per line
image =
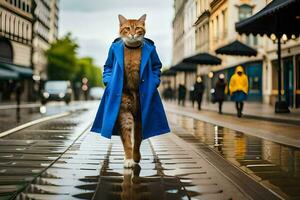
(275, 165)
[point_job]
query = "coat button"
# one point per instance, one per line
(143, 80)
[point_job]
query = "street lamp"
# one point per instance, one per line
(280, 106)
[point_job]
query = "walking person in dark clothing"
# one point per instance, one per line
(181, 94)
(220, 88)
(198, 91)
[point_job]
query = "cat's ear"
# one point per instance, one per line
(122, 19)
(143, 18)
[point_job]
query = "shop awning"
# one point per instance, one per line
(8, 75)
(204, 59)
(184, 67)
(168, 72)
(237, 48)
(23, 72)
(278, 17)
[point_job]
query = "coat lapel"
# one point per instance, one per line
(120, 54)
(146, 50)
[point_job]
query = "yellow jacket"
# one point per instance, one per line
(238, 82)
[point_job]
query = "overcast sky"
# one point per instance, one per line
(94, 23)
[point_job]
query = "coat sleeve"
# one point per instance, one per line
(156, 66)
(108, 67)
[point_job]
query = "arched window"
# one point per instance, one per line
(13, 26)
(4, 20)
(9, 25)
(22, 30)
(23, 5)
(245, 11)
(27, 32)
(6, 53)
(1, 22)
(16, 27)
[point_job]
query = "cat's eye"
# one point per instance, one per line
(127, 28)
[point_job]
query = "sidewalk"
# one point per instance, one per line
(170, 169)
(251, 110)
(273, 130)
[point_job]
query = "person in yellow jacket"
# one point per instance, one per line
(238, 88)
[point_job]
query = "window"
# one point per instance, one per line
(225, 23)
(245, 11)
(217, 27)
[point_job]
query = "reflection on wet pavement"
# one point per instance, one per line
(9, 116)
(24, 155)
(92, 168)
(274, 165)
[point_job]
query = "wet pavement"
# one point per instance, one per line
(61, 159)
(24, 155)
(93, 169)
(10, 118)
(274, 165)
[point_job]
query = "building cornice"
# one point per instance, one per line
(202, 17)
(18, 12)
(215, 4)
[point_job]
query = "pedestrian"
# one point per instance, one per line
(220, 91)
(198, 91)
(238, 88)
(181, 94)
(168, 92)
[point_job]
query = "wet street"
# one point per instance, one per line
(60, 159)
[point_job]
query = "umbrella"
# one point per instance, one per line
(237, 48)
(169, 72)
(203, 58)
(184, 67)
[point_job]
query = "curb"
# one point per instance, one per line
(34, 122)
(271, 119)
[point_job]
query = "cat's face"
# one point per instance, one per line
(132, 31)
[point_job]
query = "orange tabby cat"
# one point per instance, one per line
(132, 32)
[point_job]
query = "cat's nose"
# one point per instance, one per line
(132, 36)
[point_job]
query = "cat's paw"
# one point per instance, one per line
(129, 163)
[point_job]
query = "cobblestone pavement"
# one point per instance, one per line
(168, 170)
(61, 159)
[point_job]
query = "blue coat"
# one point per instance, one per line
(154, 121)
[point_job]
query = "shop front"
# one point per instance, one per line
(253, 70)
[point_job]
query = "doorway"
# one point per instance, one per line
(288, 80)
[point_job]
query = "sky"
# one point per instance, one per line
(95, 24)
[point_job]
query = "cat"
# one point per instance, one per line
(129, 123)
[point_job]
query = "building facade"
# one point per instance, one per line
(215, 27)
(27, 27)
(223, 16)
(15, 44)
(45, 32)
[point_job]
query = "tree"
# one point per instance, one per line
(62, 59)
(88, 69)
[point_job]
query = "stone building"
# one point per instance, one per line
(15, 46)
(45, 32)
(214, 27)
(27, 27)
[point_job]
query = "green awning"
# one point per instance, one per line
(8, 75)
(21, 71)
